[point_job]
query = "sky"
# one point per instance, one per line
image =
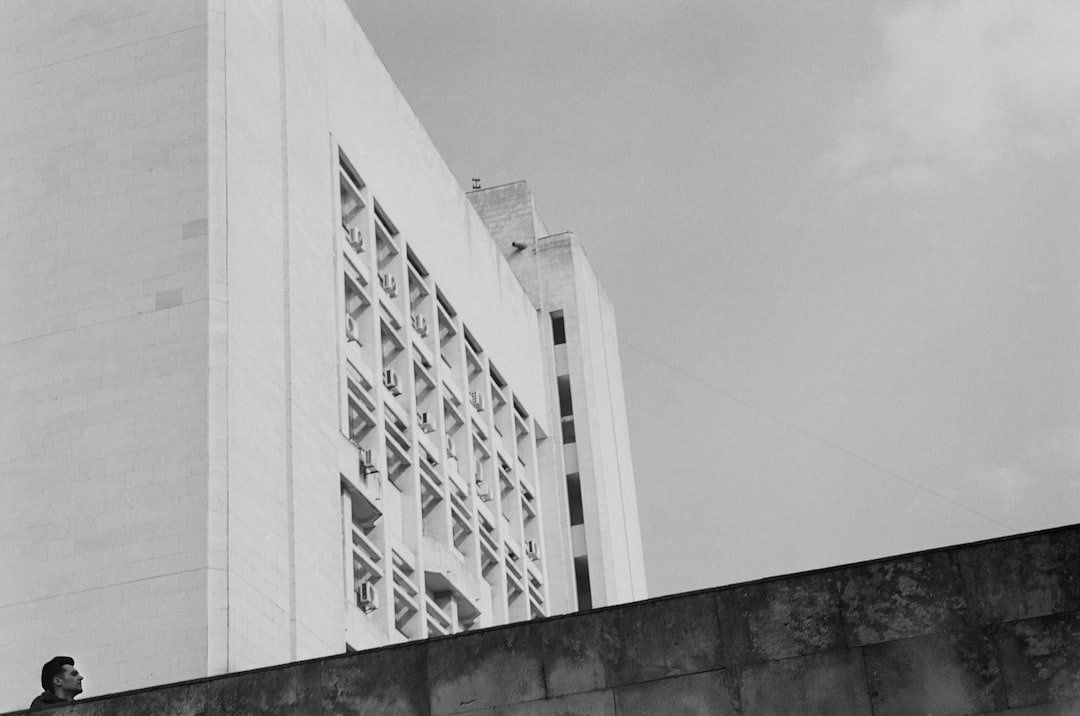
(841, 239)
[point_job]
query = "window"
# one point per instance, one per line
(566, 410)
(569, 434)
(581, 577)
(355, 300)
(558, 328)
(573, 494)
(566, 403)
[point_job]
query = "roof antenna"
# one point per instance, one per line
(476, 183)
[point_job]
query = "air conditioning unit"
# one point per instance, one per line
(367, 598)
(424, 419)
(367, 461)
(391, 381)
(483, 491)
(389, 284)
(420, 324)
(451, 451)
(355, 238)
(352, 330)
(476, 399)
(532, 550)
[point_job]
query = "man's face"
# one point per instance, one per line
(70, 681)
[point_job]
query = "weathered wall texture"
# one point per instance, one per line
(989, 628)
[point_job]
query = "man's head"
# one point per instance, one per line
(60, 677)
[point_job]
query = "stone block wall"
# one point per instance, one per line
(104, 295)
(987, 628)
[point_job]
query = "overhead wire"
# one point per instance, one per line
(772, 415)
(590, 92)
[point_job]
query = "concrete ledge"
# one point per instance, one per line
(987, 628)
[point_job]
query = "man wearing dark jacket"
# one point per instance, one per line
(62, 683)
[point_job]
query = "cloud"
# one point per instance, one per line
(1002, 486)
(1047, 467)
(1058, 450)
(964, 85)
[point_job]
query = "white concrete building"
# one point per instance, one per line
(582, 355)
(269, 387)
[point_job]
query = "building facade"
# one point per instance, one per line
(583, 357)
(272, 385)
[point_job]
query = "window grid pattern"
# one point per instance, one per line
(439, 509)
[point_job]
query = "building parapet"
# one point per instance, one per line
(976, 629)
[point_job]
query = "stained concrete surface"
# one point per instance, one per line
(989, 628)
(779, 619)
(816, 685)
(947, 674)
(488, 668)
(901, 598)
(1041, 658)
(1024, 577)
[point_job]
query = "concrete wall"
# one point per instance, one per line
(557, 274)
(103, 338)
(988, 628)
(285, 593)
(509, 213)
(602, 450)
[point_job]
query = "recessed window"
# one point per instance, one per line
(581, 577)
(569, 433)
(566, 402)
(573, 494)
(558, 328)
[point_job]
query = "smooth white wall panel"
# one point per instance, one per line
(103, 352)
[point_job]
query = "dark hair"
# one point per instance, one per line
(54, 667)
